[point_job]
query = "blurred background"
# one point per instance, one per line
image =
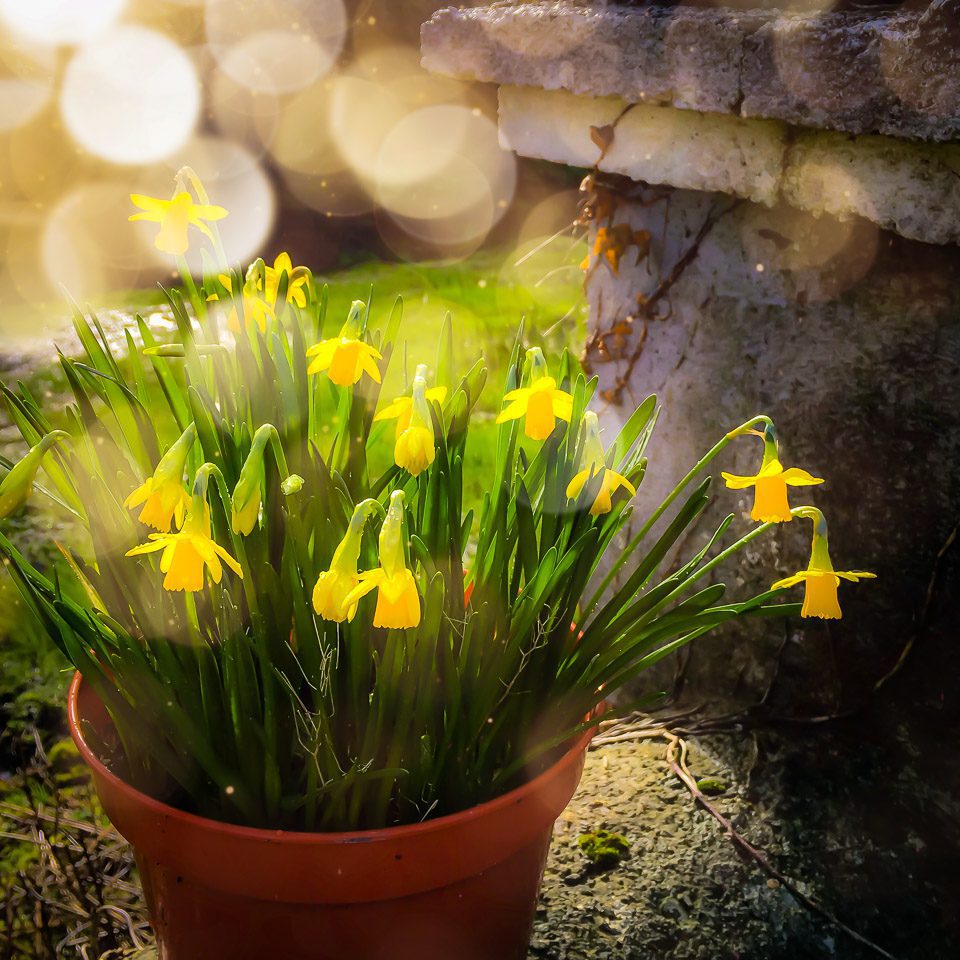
(310, 120)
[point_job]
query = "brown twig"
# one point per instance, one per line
(678, 764)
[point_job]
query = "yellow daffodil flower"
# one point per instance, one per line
(593, 461)
(770, 503)
(541, 404)
(175, 216)
(163, 495)
(296, 282)
(820, 579)
(17, 485)
(256, 309)
(398, 602)
(188, 552)
(415, 447)
(346, 358)
(335, 584)
(401, 408)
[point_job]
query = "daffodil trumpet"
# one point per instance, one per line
(401, 408)
(820, 579)
(398, 600)
(541, 404)
(163, 495)
(415, 447)
(346, 358)
(17, 485)
(771, 503)
(592, 464)
(335, 585)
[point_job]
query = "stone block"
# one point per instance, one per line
(893, 73)
(910, 188)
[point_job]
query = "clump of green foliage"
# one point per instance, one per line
(603, 848)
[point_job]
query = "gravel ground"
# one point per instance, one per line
(852, 824)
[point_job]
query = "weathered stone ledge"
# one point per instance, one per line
(894, 73)
(912, 189)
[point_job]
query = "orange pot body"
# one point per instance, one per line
(460, 887)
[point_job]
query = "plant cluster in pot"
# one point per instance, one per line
(335, 711)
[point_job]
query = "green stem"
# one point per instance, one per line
(711, 454)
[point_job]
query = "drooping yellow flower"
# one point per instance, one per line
(187, 553)
(820, 579)
(346, 358)
(398, 601)
(163, 495)
(770, 503)
(541, 404)
(175, 216)
(401, 408)
(335, 584)
(17, 485)
(415, 447)
(593, 461)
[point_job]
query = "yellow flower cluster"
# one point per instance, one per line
(345, 359)
(339, 590)
(258, 295)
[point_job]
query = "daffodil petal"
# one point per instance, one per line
(145, 548)
(514, 411)
(796, 477)
(739, 483)
(855, 575)
(787, 582)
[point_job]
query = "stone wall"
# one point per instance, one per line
(849, 338)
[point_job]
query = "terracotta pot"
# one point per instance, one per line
(461, 887)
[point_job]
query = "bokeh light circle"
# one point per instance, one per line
(131, 97)
(303, 142)
(27, 76)
(85, 244)
(443, 177)
(55, 22)
(276, 47)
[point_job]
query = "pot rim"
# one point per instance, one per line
(301, 837)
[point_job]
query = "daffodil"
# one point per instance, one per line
(541, 404)
(247, 494)
(256, 308)
(17, 485)
(163, 495)
(593, 462)
(187, 553)
(335, 584)
(820, 580)
(770, 503)
(401, 408)
(297, 279)
(175, 216)
(415, 446)
(347, 357)
(398, 601)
